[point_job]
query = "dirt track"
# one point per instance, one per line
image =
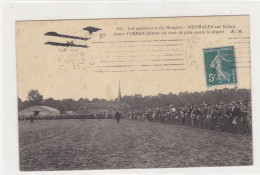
(72, 144)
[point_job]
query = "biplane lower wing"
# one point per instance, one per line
(65, 44)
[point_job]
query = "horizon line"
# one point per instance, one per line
(138, 94)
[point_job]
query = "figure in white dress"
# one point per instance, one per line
(217, 64)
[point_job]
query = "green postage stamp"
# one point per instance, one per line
(220, 66)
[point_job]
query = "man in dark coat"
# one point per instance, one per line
(31, 119)
(117, 117)
(236, 113)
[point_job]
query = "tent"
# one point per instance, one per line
(39, 111)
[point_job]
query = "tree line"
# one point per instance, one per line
(137, 101)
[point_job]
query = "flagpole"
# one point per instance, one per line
(119, 95)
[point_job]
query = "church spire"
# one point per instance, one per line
(119, 92)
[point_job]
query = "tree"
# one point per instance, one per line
(20, 104)
(19, 100)
(34, 96)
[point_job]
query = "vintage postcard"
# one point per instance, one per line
(134, 93)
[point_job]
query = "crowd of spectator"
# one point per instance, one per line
(78, 116)
(234, 117)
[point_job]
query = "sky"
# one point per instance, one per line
(144, 54)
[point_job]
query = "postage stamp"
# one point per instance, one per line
(220, 66)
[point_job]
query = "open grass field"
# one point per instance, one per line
(77, 145)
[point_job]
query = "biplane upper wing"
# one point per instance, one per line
(65, 36)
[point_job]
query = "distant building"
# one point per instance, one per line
(39, 111)
(71, 113)
(138, 95)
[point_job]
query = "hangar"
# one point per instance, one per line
(39, 111)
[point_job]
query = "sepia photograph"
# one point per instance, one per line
(134, 93)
